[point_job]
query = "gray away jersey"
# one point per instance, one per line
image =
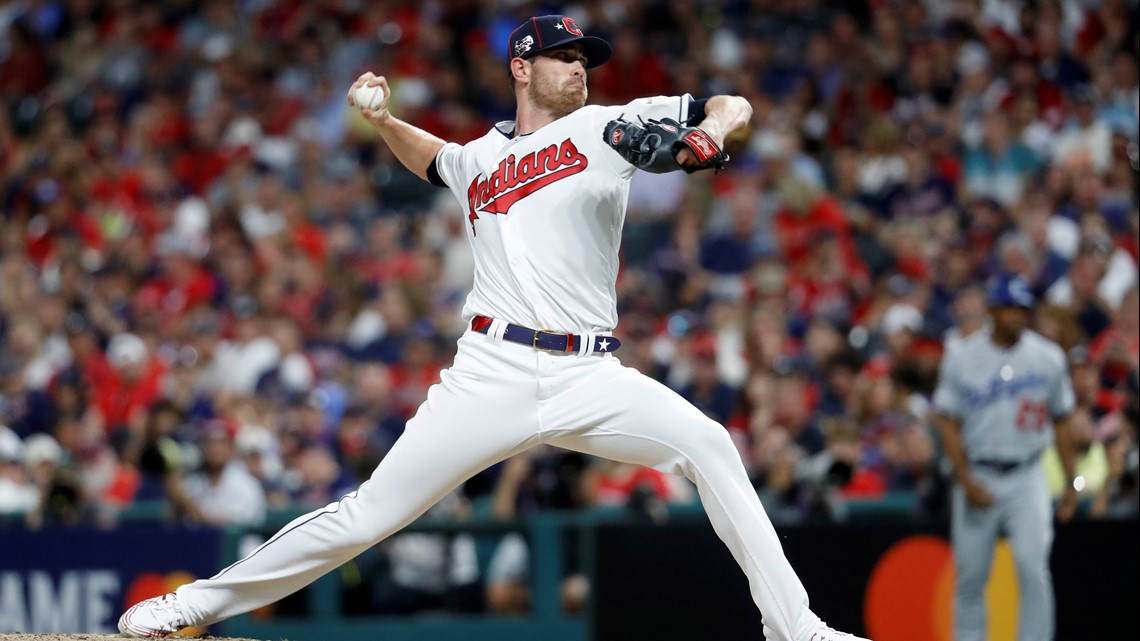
(1005, 399)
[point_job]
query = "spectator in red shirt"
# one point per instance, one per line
(123, 391)
(1116, 350)
(633, 71)
(56, 218)
(827, 283)
(806, 215)
(616, 484)
(203, 160)
(26, 70)
(182, 282)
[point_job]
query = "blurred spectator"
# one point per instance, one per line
(705, 390)
(18, 492)
(256, 447)
(1091, 462)
(1085, 138)
(1101, 272)
(794, 401)
(1117, 497)
(1000, 164)
(43, 457)
(636, 70)
(1087, 385)
(900, 325)
(224, 492)
(239, 363)
(108, 482)
(160, 460)
(428, 571)
(1116, 350)
(539, 479)
(776, 460)
(124, 388)
(969, 315)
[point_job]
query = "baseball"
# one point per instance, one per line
(367, 97)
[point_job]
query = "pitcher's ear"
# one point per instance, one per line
(520, 69)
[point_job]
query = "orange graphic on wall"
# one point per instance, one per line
(910, 594)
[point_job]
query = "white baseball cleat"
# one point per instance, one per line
(153, 618)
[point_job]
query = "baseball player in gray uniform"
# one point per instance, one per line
(1003, 396)
(544, 200)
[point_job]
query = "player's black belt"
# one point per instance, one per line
(1004, 467)
(545, 340)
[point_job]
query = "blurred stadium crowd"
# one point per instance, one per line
(218, 290)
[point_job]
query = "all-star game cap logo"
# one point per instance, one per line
(550, 32)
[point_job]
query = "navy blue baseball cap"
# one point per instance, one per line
(548, 32)
(1009, 291)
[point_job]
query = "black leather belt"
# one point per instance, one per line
(545, 340)
(1004, 467)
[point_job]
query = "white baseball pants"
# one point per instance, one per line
(498, 399)
(1023, 509)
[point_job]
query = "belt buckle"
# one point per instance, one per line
(534, 341)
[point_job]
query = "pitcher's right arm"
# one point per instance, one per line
(415, 148)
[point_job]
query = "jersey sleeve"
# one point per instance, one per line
(657, 107)
(948, 395)
(449, 164)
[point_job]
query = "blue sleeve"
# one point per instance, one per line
(696, 112)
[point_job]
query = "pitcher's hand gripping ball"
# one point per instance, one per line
(369, 97)
(653, 145)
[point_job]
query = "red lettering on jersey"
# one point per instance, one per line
(528, 168)
(512, 181)
(548, 159)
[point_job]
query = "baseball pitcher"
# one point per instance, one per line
(1003, 396)
(544, 198)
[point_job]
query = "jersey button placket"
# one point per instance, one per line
(515, 249)
(519, 254)
(508, 242)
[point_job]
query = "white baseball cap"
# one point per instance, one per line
(126, 349)
(39, 448)
(11, 447)
(901, 316)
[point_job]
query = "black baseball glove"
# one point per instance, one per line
(653, 145)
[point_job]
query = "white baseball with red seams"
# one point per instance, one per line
(368, 97)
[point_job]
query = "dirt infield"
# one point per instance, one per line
(95, 637)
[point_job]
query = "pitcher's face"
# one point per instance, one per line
(558, 83)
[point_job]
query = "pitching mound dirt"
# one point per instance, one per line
(92, 637)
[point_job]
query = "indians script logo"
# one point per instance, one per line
(517, 178)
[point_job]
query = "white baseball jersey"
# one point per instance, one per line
(545, 216)
(1005, 398)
